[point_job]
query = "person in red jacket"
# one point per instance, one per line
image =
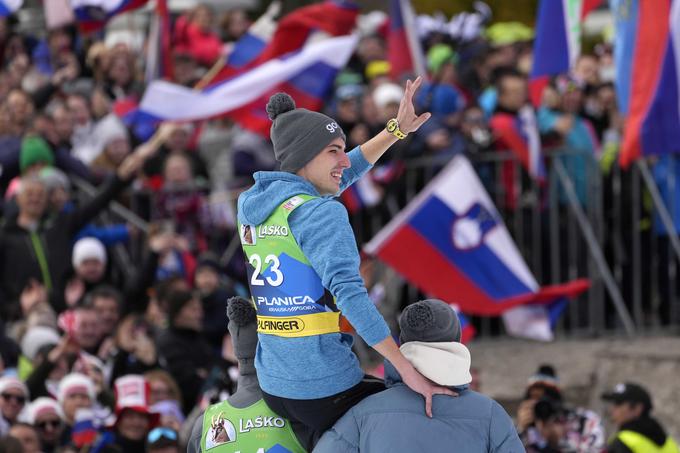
(194, 33)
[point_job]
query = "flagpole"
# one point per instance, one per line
(594, 248)
(212, 72)
(659, 204)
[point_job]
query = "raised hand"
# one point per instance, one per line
(407, 118)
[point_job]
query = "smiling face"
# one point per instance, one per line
(325, 170)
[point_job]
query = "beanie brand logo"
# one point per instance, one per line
(332, 127)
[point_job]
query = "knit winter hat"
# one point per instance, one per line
(75, 382)
(298, 135)
(34, 150)
(36, 338)
(88, 248)
(431, 321)
(242, 327)
(10, 382)
(41, 406)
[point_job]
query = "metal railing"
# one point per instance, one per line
(595, 225)
(599, 226)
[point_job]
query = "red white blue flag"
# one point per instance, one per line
(404, 51)
(451, 242)
(306, 51)
(650, 83)
(92, 15)
(557, 43)
(519, 133)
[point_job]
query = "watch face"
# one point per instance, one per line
(391, 126)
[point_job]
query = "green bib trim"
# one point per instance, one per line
(288, 294)
(253, 429)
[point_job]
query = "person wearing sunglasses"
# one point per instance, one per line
(46, 416)
(13, 397)
(162, 440)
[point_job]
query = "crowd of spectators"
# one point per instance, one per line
(119, 326)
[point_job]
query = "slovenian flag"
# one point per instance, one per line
(404, 51)
(9, 7)
(301, 59)
(649, 85)
(92, 15)
(451, 242)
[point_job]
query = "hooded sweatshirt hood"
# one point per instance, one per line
(446, 363)
(270, 190)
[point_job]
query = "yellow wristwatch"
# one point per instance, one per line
(393, 128)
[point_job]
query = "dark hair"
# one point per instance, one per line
(498, 75)
(105, 292)
(9, 444)
(547, 408)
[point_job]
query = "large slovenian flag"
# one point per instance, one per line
(9, 7)
(520, 134)
(451, 242)
(306, 51)
(557, 43)
(651, 86)
(404, 51)
(92, 15)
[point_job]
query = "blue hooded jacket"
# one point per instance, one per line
(322, 365)
(395, 420)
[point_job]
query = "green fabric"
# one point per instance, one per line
(639, 443)
(42, 260)
(35, 150)
(25, 368)
(438, 55)
(276, 265)
(251, 429)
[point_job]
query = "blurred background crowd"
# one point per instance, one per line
(118, 248)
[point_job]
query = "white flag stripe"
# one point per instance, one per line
(174, 102)
(528, 321)
(106, 5)
(460, 191)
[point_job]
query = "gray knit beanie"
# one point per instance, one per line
(429, 320)
(243, 328)
(298, 135)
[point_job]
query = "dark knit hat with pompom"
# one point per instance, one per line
(298, 135)
(242, 327)
(431, 321)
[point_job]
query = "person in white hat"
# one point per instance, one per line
(13, 397)
(76, 391)
(46, 416)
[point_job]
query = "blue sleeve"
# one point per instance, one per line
(503, 435)
(321, 227)
(108, 235)
(343, 437)
(546, 120)
(360, 167)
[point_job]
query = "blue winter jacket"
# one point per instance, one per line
(394, 420)
(322, 365)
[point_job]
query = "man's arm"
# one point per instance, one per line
(408, 122)
(122, 178)
(322, 229)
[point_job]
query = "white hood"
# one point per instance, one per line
(446, 363)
